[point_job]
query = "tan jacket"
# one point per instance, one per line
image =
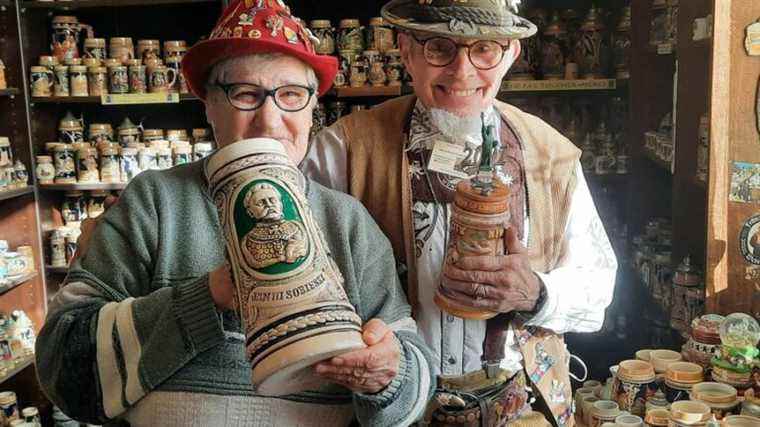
(378, 175)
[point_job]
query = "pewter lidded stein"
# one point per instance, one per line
(478, 221)
(288, 291)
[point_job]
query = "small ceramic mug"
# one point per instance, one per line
(42, 81)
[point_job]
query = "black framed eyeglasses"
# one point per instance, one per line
(442, 51)
(249, 97)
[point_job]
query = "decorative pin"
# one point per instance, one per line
(237, 32)
(544, 362)
(752, 42)
(275, 23)
(254, 34)
(290, 35)
(246, 19)
(557, 393)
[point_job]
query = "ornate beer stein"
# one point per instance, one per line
(121, 48)
(182, 155)
(688, 295)
(374, 61)
(57, 249)
(345, 59)
(153, 135)
(45, 170)
(174, 49)
(129, 167)
(394, 68)
(336, 110)
(95, 48)
(323, 30)
(592, 47)
(87, 165)
(65, 166)
(380, 35)
(128, 132)
(202, 135)
(359, 71)
(65, 37)
(61, 86)
(554, 49)
(97, 81)
(6, 155)
(137, 79)
(622, 45)
(351, 35)
(78, 80)
(118, 79)
(73, 209)
(175, 63)
(202, 150)
(147, 49)
(42, 81)
(288, 291)
(159, 80)
(100, 132)
(71, 129)
(479, 218)
(318, 117)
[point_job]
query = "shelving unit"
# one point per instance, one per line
(10, 194)
(26, 278)
(19, 366)
(83, 187)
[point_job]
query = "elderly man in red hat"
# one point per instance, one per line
(403, 160)
(142, 329)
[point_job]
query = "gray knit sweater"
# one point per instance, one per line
(134, 333)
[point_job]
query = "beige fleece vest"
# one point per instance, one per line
(378, 176)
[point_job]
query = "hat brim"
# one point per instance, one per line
(399, 14)
(198, 61)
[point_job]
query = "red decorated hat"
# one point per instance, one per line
(255, 26)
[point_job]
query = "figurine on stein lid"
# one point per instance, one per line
(289, 290)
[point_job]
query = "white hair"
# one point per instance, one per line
(258, 60)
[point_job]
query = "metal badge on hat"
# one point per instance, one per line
(275, 23)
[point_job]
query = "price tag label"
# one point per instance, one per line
(139, 98)
(447, 158)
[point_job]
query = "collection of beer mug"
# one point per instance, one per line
(125, 69)
(16, 344)
(367, 55)
(14, 264)
(99, 159)
(13, 174)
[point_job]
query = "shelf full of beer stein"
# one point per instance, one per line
(17, 339)
(109, 159)
(82, 4)
(16, 267)
(574, 51)
(108, 71)
(369, 60)
(14, 177)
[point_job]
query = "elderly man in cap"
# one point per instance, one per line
(142, 329)
(403, 160)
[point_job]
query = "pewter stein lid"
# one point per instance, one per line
(71, 123)
(349, 23)
(593, 20)
(320, 23)
(126, 125)
(377, 21)
(94, 42)
(64, 20)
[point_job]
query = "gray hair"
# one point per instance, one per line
(220, 69)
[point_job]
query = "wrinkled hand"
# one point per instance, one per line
(496, 283)
(370, 369)
(89, 225)
(222, 287)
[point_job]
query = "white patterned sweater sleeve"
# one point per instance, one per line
(581, 287)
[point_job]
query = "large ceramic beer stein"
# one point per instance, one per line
(288, 291)
(65, 37)
(478, 221)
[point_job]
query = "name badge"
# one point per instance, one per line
(447, 158)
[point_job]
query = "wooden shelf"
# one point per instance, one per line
(14, 283)
(542, 86)
(21, 364)
(657, 161)
(81, 4)
(11, 91)
(83, 187)
(56, 270)
(96, 100)
(367, 91)
(10, 194)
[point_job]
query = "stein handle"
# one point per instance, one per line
(174, 74)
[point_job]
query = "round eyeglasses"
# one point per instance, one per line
(442, 51)
(249, 97)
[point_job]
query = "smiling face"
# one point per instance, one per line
(230, 125)
(459, 87)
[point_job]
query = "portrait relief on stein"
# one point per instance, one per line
(749, 240)
(271, 234)
(745, 183)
